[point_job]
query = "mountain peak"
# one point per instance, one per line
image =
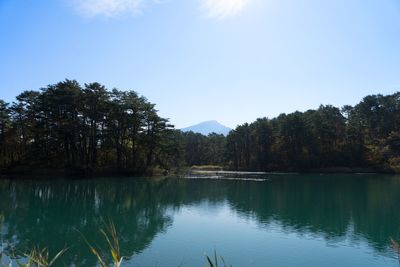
(207, 127)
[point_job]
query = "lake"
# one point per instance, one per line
(266, 220)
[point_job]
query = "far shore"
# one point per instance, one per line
(36, 173)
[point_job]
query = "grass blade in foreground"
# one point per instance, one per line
(215, 262)
(110, 234)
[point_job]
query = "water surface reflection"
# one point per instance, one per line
(358, 209)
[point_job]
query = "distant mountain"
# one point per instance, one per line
(208, 127)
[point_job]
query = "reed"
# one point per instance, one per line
(35, 258)
(110, 235)
(38, 257)
(215, 262)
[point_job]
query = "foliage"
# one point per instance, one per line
(88, 128)
(366, 135)
(110, 235)
(204, 150)
(84, 129)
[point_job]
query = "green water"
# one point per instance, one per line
(288, 220)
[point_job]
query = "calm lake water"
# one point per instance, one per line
(286, 220)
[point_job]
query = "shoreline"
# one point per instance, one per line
(65, 174)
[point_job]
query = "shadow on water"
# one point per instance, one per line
(52, 214)
(48, 213)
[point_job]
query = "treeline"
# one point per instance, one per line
(359, 138)
(366, 135)
(204, 150)
(89, 128)
(84, 129)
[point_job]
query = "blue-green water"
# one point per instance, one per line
(287, 220)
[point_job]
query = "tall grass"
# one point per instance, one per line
(38, 257)
(110, 235)
(214, 262)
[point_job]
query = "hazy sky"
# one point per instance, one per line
(229, 60)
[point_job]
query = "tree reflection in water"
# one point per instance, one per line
(48, 213)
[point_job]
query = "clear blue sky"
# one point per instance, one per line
(229, 60)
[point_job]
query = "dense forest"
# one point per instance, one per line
(365, 137)
(85, 129)
(88, 129)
